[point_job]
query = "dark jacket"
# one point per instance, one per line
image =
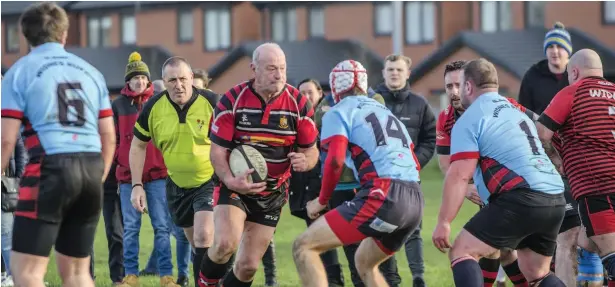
(416, 114)
(539, 86)
(19, 159)
(126, 109)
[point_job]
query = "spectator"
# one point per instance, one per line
(418, 118)
(201, 79)
(539, 86)
(126, 109)
(305, 186)
(15, 170)
(182, 245)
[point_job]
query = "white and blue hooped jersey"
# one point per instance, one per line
(505, 141)
(378, 144)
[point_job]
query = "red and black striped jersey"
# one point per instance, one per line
(274, 128)
(447, 119)
(584, 116)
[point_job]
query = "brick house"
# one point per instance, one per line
(207, 33)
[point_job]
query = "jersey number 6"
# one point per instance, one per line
(64, 103)
(394, 133)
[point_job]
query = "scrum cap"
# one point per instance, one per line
(345, 76)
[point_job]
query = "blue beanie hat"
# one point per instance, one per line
(559, 36)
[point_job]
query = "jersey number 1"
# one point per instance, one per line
(530, 138)
(64, 103)
(380, 135)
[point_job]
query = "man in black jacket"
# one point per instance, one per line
(539, 85)
(418, 118)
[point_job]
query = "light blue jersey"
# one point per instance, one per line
(59, 97)
(505, 141)
(378, 144)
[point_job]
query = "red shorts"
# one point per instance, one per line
(597, 214)
(386, 210)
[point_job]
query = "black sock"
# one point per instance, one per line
(550, 281)
(210, 272)
(231, 281)
(514, 274)
(608, 262)
(467, 273)
(196, 262)
(490, 269)
(230, 262)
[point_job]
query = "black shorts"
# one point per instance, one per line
(520, 219)
(261, 209)
(60, 199)
(597, 214)
(386, 210)
(185, 202)
(571, 219)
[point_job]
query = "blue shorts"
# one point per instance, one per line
(590, 266)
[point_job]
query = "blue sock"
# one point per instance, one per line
(467, 272)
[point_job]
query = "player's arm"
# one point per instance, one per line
(335, 147)
(138, 146)
(552, 119)
(307, 134)
(443, 143)
(10, 132)
(106, 129)
(13, 105)
(528, 112)
(464, 158)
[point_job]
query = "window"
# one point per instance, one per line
(317, 22)
(284, 25)
(495, 16)
(185, 24)
(534, 14)
(420, 22)
(608, 12)
(129, 30)
(99, 31)
(383, 18)
(217, 29)
(12, 38)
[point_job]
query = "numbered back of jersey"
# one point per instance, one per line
(62, 98)
(378, 134)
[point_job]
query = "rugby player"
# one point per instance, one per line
(177, 122)
(63, 104)
(387, 208)
(526, 202)
(583, 114)
(446, 120)
(273, 117)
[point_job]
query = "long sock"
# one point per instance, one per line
(210, 272)
(232, 281)
(515, 275)
(196, 262)
(466, 272)
(608, 262)
(552, 266)
(490, 269)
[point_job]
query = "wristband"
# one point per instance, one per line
(137, 184)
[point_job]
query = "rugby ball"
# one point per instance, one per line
(245, 157)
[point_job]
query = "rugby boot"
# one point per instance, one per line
(130, 281)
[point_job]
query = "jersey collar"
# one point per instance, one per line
(47, 47)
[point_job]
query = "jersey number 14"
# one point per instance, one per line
(379, 133)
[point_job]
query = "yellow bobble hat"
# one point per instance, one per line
(136, 67)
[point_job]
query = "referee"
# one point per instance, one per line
(177, 121)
